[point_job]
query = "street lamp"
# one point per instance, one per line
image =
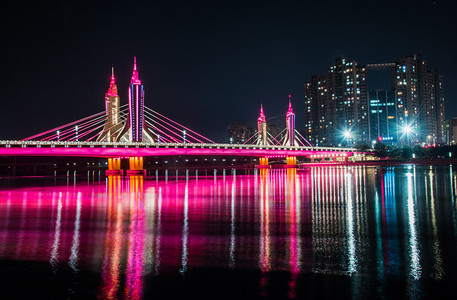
(347, 136)
(407, 130)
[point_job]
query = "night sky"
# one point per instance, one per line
(204, 64)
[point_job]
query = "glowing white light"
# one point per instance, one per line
(407, 129)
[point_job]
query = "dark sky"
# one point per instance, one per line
(203, 63)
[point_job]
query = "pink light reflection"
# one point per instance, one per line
(135, 260)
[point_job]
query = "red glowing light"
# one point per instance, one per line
(112, 90)
(262, 115)
(290, 112)
(135, 80)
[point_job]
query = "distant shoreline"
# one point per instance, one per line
(382, 163)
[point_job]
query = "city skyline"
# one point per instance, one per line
(216, 71)
(341, 106)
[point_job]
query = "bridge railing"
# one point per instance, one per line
(21, 143)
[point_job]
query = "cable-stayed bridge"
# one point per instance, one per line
(134, 131)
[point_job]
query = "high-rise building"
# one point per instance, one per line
(318, 120)
(383, 116)
(135, 129)
(239, 133)
(440, 118)
(338, 112)
(337, 105)
(420, 99)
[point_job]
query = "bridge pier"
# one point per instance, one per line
(291, 162)
(114, 166)
(263, 163)
(136, 166)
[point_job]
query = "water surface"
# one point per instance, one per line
(348, 232)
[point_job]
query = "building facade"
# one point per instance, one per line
(240, 133)
(337, 106)
(339, 111)
(383, 116)
(420, 98)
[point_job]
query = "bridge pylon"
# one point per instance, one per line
(290, 138)
(135, 129)
(262, 133)
(113, 120)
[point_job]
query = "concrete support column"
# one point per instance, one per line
(136, 166)
(136, 163)
(263, 163)
(114, 166)
(291, 162)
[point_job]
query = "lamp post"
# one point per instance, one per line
(407, 130)
(347, 136)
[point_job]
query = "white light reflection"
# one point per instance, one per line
(55, 246)
(185, 231)
(150, 211)
(159, 223)
(75, 244)
(232, 220)
(414, 253)
(352, 267)
(438, 268)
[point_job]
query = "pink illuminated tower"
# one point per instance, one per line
(135, 129)
(262, 138)
(113, 122)
(290, 127)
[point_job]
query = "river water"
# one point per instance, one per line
(322, 232)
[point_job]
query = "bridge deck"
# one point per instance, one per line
(112, 149)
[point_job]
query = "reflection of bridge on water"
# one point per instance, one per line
(338, 221)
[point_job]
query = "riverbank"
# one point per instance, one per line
(383, 163)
